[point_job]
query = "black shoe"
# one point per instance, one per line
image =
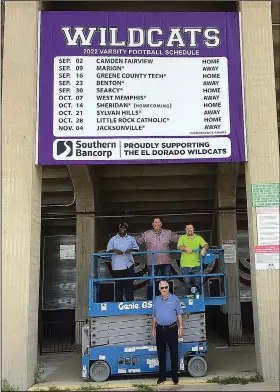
(176, 381)
(159, 381)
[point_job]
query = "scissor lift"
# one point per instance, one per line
(118, 337)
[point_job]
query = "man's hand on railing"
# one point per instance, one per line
(117, 251)
(203, 252)
(128, 251)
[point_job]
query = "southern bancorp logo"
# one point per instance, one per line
(63, 149)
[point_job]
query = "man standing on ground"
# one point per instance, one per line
(190, 261)
(157, 239)
(122, 262)
(167, 326)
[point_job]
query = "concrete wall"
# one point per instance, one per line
(262, 168)
(21, 201)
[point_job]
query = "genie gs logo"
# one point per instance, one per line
(63, 149)
(132, 306)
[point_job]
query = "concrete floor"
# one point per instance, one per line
(263, 386)
(64, 369)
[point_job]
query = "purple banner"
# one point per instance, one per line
(132, 87)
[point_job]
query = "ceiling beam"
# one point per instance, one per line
(119, 171)
(175, 226)
(167, 206)
(58, 222)
(83, 187)
(57, 185)
(55, 172)
(57, 198)
(154, 195)
(151, 183)
(71, 210)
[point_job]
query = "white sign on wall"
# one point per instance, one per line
(267, 257)
(198, 106)
(229, 251)
(67, 252)
(268, 226)
(267, 252)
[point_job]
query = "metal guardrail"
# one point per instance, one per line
(243, 322)
(96, 277)
(60, 336)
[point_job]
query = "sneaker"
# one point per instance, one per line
(159, 381)
(176, 381)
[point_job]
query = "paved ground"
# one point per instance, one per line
(263, 386)
(183, 386)
(65, 370)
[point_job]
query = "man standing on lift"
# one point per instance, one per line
(122, 245)
(157, 239)
(190, 261)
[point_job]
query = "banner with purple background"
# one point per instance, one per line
(130, 87)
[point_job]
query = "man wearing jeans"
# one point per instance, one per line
(190, 261)
(157, 239)
(122, 245)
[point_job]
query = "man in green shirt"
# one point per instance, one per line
(190, 261)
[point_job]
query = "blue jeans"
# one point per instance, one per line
(190, 282)
(164, 270)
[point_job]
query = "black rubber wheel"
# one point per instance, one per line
(197, 366)
(99, 371)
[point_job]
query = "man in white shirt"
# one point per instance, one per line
(122, 245)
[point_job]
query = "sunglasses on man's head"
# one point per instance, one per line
(163, 288)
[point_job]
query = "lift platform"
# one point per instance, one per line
(118, 337)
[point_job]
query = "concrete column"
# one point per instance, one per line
(85, 235)
(227, 230)
(85, 240)
(262, 167)
(21, 201)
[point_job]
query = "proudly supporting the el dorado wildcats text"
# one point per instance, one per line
(140, 94)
